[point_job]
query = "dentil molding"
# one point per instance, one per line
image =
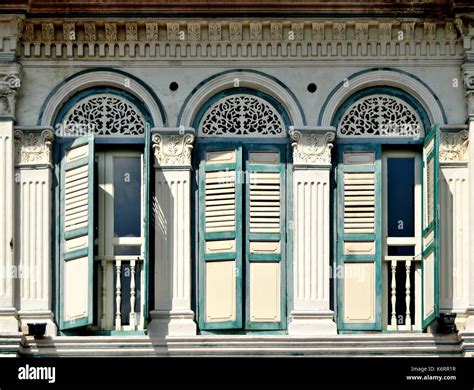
(150, 38)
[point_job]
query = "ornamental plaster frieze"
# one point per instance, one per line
(312, 147)
(33, 146)
(172, 149)
(167, 38)
(454, 146)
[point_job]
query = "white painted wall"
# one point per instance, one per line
(41, 78)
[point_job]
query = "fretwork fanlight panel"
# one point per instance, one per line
(380, 116)
(242, 115)
(103, 114)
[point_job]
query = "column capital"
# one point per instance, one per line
(453, 146)
(10, 82)
(312, 145)
(33, 146)
(172, 147)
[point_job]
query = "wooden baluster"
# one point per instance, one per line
(407, 295)
(103, 321)
(133, 317)
(118, 295)
(394, 295)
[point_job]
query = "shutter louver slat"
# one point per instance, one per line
(359, 202)
(219, 200)
(76, 206)
(264, 202)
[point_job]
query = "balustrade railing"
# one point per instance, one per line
(401, 316)
(121, 283)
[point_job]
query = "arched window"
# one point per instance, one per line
(242, 115)
(386, 216)
(242, 206)
(103, 210)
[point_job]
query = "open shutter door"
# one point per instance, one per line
(146, 219)
(77, 233)
(220, 235)
(430, 260)
(359, 237)
(265, 237)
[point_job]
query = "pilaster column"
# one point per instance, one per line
(311, 314)
(172, 315)
(9, 83)
(454, 217)
(468, 69)
(33, 195)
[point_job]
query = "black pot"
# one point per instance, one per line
(37, 329)
(446, 323)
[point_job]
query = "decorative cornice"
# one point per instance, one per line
(33, 146)
(453, 146)
(63, 39)
(173, 150)
(312, 147)
(253, 7)
(11, 27)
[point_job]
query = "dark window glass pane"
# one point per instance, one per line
(127, 250)
(127, 196)
(408, 250)
(400, 193)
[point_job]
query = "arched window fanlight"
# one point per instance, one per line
(104, 114)
(242, 114)
(380, 116)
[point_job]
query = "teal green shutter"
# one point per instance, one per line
(146, 221)
(359, 239)
(220, 237)
(430, 260)
(265, 236)
(77, 233)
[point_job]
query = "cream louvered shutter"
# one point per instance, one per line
(359, 237)
(77, 231)
(265, 236)
(430, 258)
(359, 202)
(220, 235)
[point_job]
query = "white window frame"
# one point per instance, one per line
(106, 240)
(415, 241)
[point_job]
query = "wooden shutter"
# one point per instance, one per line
(146, 221)
(430, 260)
(265, 237)
(220, 235)
(77, 233)
(359, 237)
